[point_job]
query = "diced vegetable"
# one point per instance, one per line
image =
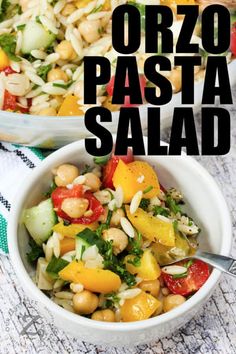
(67, 245)
(141, 307)
(148, 269)
(110, 167)
(43, 279)
(97, 280)
(70, 107)
(81, 246)
(4, 61)
(55, 266)
(39, 221)
(152, 228)
(61, 193)
(8, 45)
(73, 229)
(196, 275)
(136, 176)
(35, 36)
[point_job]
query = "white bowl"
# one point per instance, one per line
(204, 202)
(54, 132)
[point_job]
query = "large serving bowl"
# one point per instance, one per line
(204, 202)
(54, 132)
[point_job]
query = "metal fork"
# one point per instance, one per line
(224, 263)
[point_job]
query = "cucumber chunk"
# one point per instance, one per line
(80, 246)
(39, 221)
(35, 36)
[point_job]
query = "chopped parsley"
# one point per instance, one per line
(64, 86)
(172, 205)
(8, 45)
(158, 210)
(55, 266)
(35, 252)
(3, 9)
(148, 189)
(101, 160)
(144, 204)
(43, 71)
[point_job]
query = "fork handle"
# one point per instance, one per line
(223, 263)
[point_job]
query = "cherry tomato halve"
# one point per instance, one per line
(109, 168)
(110, 89)
(233, 39)
(61, 193)
(8, 70)
(197, 275)
(9, 102)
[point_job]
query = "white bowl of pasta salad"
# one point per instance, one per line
(42, 46)
(98, 265)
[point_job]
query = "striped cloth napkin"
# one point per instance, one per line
(15, 163)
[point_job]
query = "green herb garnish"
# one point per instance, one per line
(55, 266)
(43, 71)
(101, 160)
(158, 210)
(148, 189)
(64, 86)
(144, 204)
(35, 252)
(172, 205)
(8, 45)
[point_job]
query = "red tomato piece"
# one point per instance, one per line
(109, 168)
(233, 39)
(8, 70)
(9, 102)
(61, 193)
(110, 89)
(198, 273)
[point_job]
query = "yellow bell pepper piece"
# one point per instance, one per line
(151, 227)
(148, 269)
(141, 307)
(73, 229)
(70, 107)
(4, 61)
(97, 280)
(135, 176)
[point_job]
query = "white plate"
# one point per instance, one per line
(54, 132)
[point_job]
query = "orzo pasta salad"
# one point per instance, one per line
(101, 239)
(43, 43)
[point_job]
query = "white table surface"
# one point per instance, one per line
(23, 330)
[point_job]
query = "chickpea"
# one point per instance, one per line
(65, 50)
(75, 207)
(50, 111)
(85, 302)
(89, 30)
(57, 74)
(65, 174)
(150, 286)
(171, 301)
(106, 315)
(92, 181)
(118, 237)
(68, 9)
(116, 216)
(175, 79)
